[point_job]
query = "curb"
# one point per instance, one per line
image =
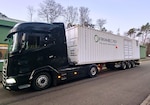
(146, 101)
(145, 59)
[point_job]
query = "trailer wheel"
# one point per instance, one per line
(129, 65)
(41, 81)
(93, 71)
(123, 65)
(132, 64)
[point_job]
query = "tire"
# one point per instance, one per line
(132, 64)
(123, 65)
(129, 65)
(92, 71)
(41, 81)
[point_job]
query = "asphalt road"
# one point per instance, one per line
(120, 87)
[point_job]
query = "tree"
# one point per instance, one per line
(100, 23)
(50, 10)
(148, 49)
(145, 32)
(104, 29)
(131, 32)
(71, 15)
(84, 16)
(31, 12)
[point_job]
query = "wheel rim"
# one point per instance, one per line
(93, 71)
(42, 81)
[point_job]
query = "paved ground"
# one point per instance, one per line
(146, 101)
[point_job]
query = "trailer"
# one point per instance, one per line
(86, 46)
(41, 55)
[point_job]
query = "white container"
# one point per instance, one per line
(90, 46)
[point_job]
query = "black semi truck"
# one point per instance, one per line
(41, 55)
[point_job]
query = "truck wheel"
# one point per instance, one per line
(41, 81)
(123, 65)
(93, 71)
(128, 64)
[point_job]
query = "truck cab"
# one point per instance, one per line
(34, 47)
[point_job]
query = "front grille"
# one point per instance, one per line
(4, 72)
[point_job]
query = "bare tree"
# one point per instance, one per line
(145, 32)
(31, 12)
(148, 49)
(71, 15)
(50, 10)
(104, 29)
(100, 23)
(84, 16)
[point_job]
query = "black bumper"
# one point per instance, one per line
(21, 81)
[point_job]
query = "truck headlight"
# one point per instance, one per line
(10, 81)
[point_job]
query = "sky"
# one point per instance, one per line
(119, 14)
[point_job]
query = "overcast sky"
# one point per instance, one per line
(120, 14)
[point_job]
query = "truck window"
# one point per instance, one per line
(33, 42)
(48, 40)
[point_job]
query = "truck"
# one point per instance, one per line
(41, 55)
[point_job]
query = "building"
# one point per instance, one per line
(5, 25)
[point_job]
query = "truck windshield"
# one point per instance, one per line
(22, 41)
(14, 43)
